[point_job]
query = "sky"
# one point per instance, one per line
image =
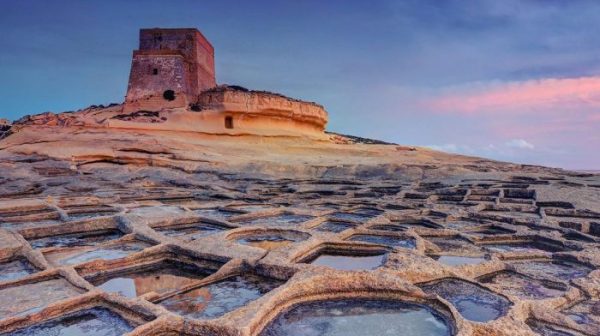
(513, 80)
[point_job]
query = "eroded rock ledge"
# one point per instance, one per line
(234, 110)
(228, 110)
(236, 99)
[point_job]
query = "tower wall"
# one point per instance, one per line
(153, 74)
(181, 60)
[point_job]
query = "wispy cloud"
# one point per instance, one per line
(519, 143)
(508, 148)
(452, 148)
(520, 97)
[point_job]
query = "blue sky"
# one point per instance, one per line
(510, 80)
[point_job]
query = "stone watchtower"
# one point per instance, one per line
(170, 69)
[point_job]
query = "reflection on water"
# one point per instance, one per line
(218, 213)
(273, 240)
(76, 256)
(91, 322)
(358, 317)
(350, 262)
(385, 240)
(79, 239)
(219, 298)
(161, 278)
(473, 302)
(279, 220)
(457, 245)
(334, 226)
(15, 269)
(522, 247)
(564, 270)
(388, 227)
(191, 231)
(33, 297)
(267, 242)
(523, 286)
(451, 260)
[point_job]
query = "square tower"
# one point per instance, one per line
(170, 69)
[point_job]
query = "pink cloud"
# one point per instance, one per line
(511, 127)
(521, 97)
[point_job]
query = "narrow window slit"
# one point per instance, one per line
(229, 122)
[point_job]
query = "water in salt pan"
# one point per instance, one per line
(359, 317)
(334, 226)
(474, 303)
(218, 213)
(90, 214)
(272, 239)
(522, 246)
(252, 208)
(159, 278)
(417, 224)
(91, 322)
(388, 227)
(349, 216)
(221, 297)
(523, 286)
(456, 245)
(561, 269)
(349, 262)
(385, 240)
(267, 242)
(77, 239)
(33, 297)
(585, 312)
(452, 260)
(15, 269)
(280, 220)
(491, 230)
(105, 253)
(357, 215)
(191, 232)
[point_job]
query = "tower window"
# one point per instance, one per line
(155, 71)
(229, 122)
(169, 95)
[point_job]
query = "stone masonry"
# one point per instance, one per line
(170, 69)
